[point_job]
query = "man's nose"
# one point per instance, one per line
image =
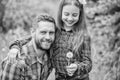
(47, 36)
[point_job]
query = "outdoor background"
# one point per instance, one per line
(103, 23)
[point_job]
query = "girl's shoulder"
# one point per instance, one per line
(87, 37)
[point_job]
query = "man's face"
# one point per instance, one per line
(45, 35)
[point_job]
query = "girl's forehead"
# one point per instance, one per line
(70, 7)
(72, 2)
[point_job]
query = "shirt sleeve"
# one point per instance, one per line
(19, 43)
(85, 65)
(12, 71)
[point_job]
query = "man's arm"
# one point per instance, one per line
(19, 43)
(16, 48)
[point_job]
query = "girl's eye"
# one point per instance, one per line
(75, 15)
(66, 14)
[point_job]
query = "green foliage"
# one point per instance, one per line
(103, 24)
(20, 13)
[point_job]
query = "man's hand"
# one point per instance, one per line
(12, 54)
(71, 69)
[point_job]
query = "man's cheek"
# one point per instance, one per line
(52, 39)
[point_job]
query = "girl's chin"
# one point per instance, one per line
(70, 24)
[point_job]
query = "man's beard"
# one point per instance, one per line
(38, 45)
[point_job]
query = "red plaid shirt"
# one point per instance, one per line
(26, 67)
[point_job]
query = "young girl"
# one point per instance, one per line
(70, 54)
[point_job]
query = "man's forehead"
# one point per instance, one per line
(46, 24)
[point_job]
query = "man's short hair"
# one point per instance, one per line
(42, 17)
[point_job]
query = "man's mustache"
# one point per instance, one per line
(48, 40)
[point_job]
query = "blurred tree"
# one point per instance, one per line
(20, 13)
(103, 21)
(2, 10)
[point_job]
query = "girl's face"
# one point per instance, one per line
(70, 15)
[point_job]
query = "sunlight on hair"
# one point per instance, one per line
(83, 2)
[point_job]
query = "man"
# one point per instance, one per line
(33, 61)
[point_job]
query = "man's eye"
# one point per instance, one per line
(43, 32)
(66, 14)
(52, 33)
(75, 15)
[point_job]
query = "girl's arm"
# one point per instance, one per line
(85, 66)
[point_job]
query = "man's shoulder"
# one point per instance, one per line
(26, 49)
(20, 42)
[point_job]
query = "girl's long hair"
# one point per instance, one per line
(79, 27)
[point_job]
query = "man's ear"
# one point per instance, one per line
(32, 30)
